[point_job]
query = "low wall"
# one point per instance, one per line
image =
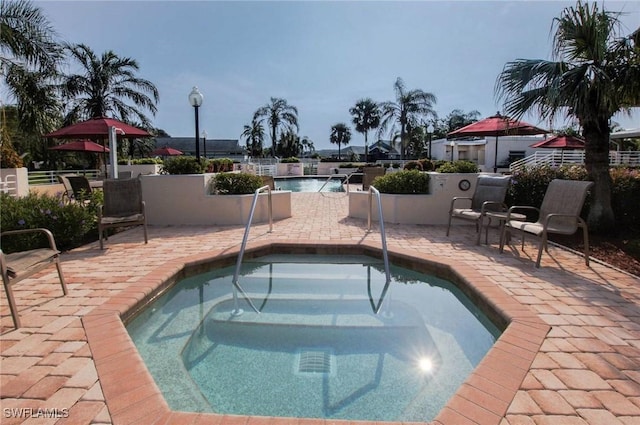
(137, 169)
(432, 208)
(184, 200)
(18, 180)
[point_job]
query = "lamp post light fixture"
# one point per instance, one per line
(204, 143)
(429, 134)
(195, 99)
(453, 145)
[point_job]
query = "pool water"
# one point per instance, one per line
(309, 184)
(317, 348)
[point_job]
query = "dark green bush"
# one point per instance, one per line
(413, 165)
(72, 224)
(235, 183)
(291, 159)
(460, 166)
(427, 164)
(182, 165)
(219, 165)
(625, 199)
(403, 182)
(529, 185)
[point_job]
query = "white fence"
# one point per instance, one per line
(561, 157)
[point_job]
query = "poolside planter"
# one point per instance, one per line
(184, 200)
(431, 208)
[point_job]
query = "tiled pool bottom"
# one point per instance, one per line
(317, 348)
(484, 397)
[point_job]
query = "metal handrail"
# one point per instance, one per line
(344, 176)
(383, 237)
(236, 285)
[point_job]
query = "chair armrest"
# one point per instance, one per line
(485, 204)
(459, 198)
(47, 232)
(520, 207)
(548, 218)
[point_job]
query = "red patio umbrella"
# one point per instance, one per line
(560, 142)
(98, 128)
(80, 146)
(166, 151)
(496, 125)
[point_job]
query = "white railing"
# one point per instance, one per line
(51, 176)
(563, 157)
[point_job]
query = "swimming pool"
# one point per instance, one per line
(308, 184)
(317, 349)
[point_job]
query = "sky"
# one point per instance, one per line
(321, 56)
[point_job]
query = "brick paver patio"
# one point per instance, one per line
(585, 371)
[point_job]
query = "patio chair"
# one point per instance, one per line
(123, 206)
(124, 175)
(22, 264)
(488, 196)
(559, 214)
(81, 187)
(68, 190)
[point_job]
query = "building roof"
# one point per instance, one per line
(213, 146)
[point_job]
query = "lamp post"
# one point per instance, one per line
(204, 143)
(429, 134)
(195, 99)
(453, 145)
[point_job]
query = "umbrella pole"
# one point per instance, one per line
(495, 157)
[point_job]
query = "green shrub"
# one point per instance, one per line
(219, 165)
(529, 185)
(235, 183)
(413, 165)
(625, 199)
(291, 159)
(142, 161)
(427, 164)
(72, 224)
(460, 166)
(403, 182)
(182, 165)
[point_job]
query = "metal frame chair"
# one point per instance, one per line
(559, 213)
(123, 206)
(489, 195)
(22, 264)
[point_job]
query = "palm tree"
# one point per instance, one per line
(254, 137)
(289, 145)
(105, 86)
(280, 116)
(409, 108)
(26, 37)
(366, 116)
(307, 144)
(340, 135)
(595, 75)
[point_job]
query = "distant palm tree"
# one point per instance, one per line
(597, 73)
(253, 134)
(409, 108)
(366, 116)
(340, 135)
(280, 116)
(307, 144)
(105, 86)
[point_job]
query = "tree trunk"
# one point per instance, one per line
(601, 218)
